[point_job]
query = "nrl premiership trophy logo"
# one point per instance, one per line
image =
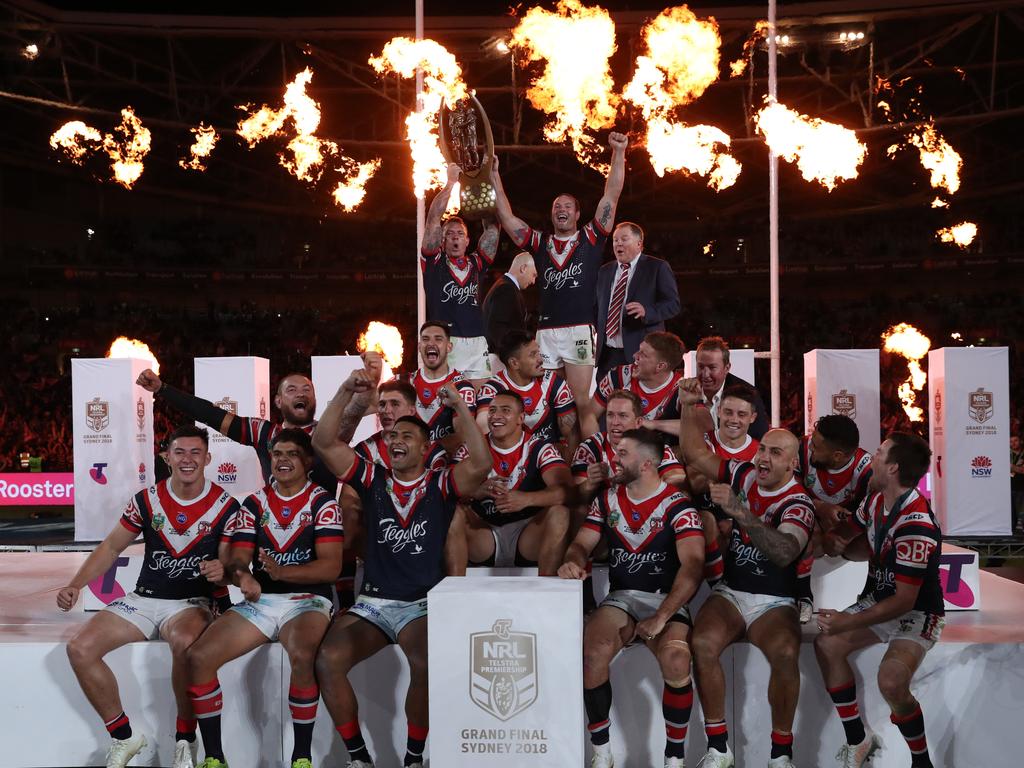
(503, 670)
(461, 143)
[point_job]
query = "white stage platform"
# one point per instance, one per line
(970, 686)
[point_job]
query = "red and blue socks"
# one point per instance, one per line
(676, 704)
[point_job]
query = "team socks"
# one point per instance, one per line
(718, 735)
(782, 744)
(185, 729)
(912, 727)
(845, 698)
(207, 703)
(354, 743)
(676, 704)
(714, 566)
(303, 703)
(414, 745)
(119, 728)
(598, 703)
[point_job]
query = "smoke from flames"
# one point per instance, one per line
(123, 346)
(962, 234)
(442, 82)
(908, 342)
(383, 338)
(205, 140)
(823, 152)
(126, 147)
(349, 194)
(575, 85)
(680, 60)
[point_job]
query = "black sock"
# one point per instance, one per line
(414, 745)
(912, 728)
(845, 698)
(718, 735)
(119, 728)
(782, 744)
(676, 704)
(354, 743)
(598, 703)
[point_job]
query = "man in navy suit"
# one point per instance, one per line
(641, 292)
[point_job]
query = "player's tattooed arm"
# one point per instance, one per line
(517, 229)
(432, 233)
(780, 546)
(613, 184)
(487, 245)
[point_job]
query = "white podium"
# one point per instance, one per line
(506, 672)
(843, 382)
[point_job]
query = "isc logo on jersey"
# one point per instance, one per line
(227, 472)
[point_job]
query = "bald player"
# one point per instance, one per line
(772, 521)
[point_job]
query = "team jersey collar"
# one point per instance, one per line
(638, 511)
(746, 443)
(778, 491)
(188, 502)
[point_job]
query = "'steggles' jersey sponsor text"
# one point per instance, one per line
(453, 289)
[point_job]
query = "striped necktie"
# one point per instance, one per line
(615, 307)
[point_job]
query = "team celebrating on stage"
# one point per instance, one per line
(505, 449)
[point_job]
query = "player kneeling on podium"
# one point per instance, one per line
(183, 523)
(655, 565)
(293, 528)
(414, 537)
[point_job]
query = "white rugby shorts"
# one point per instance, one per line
(569, 345)
(469, 356)
(917, 626)
(750, 605)
(150, 614)
(271, 612)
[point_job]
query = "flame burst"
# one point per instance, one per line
(679, 63)
(383, 338)
(739, 66)
(127, 146)
(937, 157)
(442, 81)
(908, 342)
(824, 152)
(122, 346)
(350, 193)
(205, 140)
(962, 234)
(575, 86)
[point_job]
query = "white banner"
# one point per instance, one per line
(969, 430)
(845, 382)
(112, 419)
(328, 373)
(506, 678)
(741, 362)
(240, 385)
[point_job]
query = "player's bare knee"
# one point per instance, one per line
(333, 658)
(705, 647)
(302, 660)
(597, 654)
(79, 652)
(784, 655)
(894, 681)
(674, 660)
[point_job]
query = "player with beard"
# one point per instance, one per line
(291, 530)
(549, 410)
(656, 555)
(519, 515)
(434, 374)
(414, 526)
(451, 281)
(568, 259)
(182, 521)
(902, 605)
(756, 598)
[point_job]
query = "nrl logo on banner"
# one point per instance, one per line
(227, 404)
(979, 405)
(844, 404)
(503, 670)
(97, 414)
(263, 408)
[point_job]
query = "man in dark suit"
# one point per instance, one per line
(504, 309)
(713, 371)
(636, 294)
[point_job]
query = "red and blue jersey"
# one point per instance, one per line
(375, 449)
(642, 535)
(452, 290)
(660, 403)
(745, 452)
(260, 433)
(544, 400)
(597, 450)
(178, 535)
(439, 418)
(906, 544)
(845, 487)
(406, 528)
(287, 528)
(567, 274)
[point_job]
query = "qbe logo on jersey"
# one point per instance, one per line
(503, 670)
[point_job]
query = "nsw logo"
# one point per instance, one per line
(96, 473)
(227, 472)
(981, 466)
(503, 670)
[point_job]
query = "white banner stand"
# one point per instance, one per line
(741, 363)
(844, 382)
(969, 431)
(112, 421)
(329, 371)
(506, 673)
(240, 385)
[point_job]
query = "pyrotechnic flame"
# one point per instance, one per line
(122, 346)
(938, 202)
(306, 152)
(205, 140)
(679, 62)
(454, 203)
(127, 146)
(575, 87)
(383, 338)
(962, 234)
(824, 152)
(908, 342)
(442, 82)
(350, 193)
(738, 67)
(938, 157)
(76, 140)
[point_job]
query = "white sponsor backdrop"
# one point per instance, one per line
(506, 672)
(846, 382)
(740, 360)
(240, 385)
(112, 419)
(969, 430)
(328, 373)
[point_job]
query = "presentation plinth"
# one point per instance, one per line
(843, 382)
(506, 675)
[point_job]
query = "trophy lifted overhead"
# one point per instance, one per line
(460, 144)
